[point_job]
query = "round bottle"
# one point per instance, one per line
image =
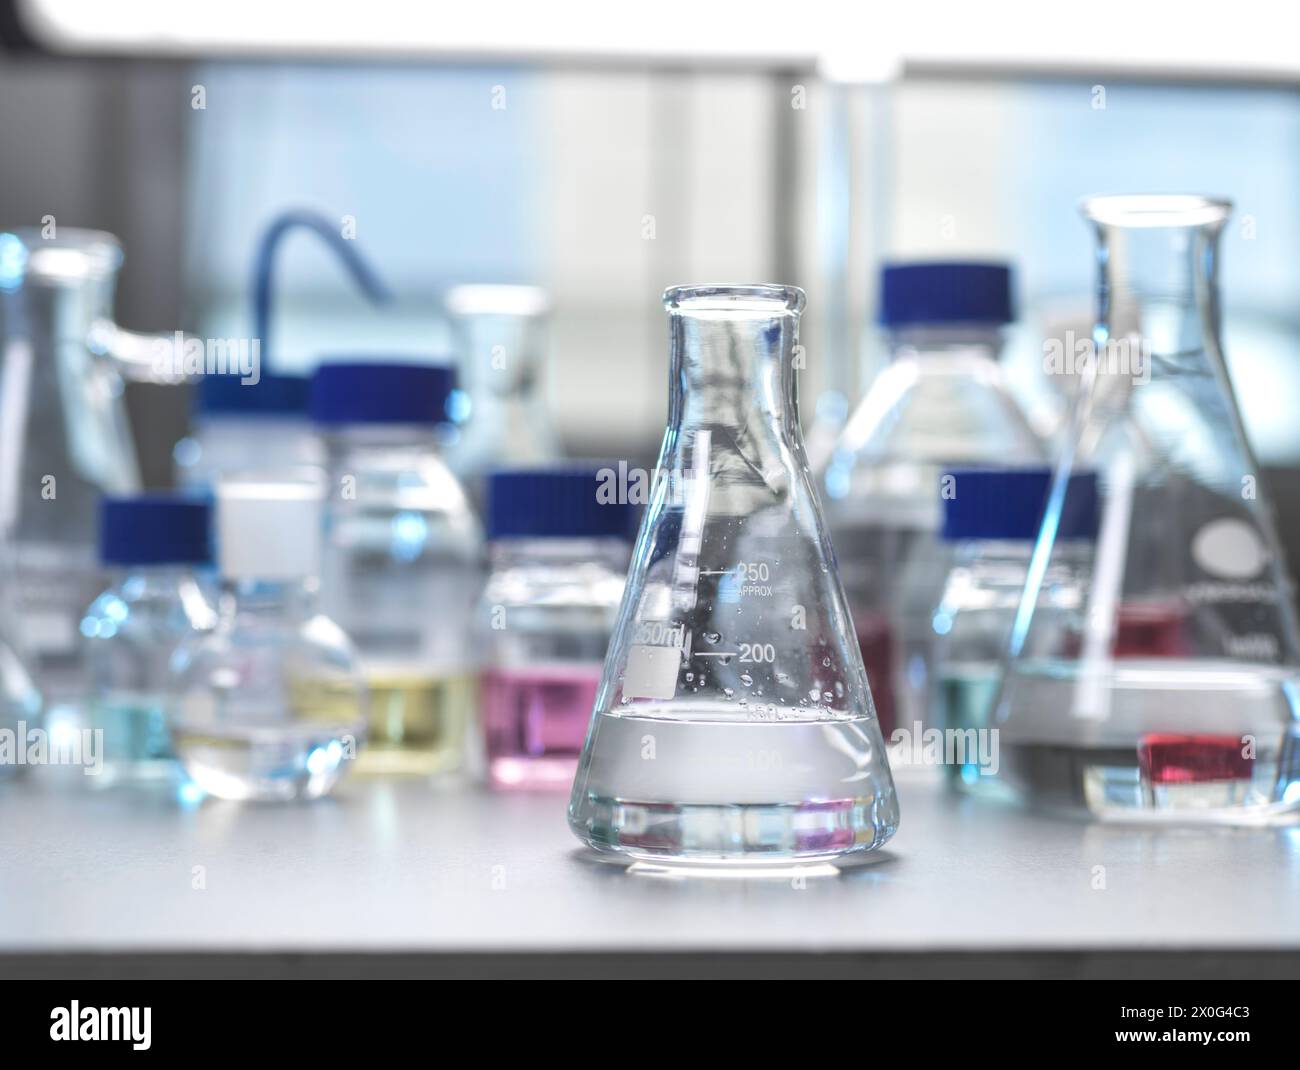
(151, 546)
(558, 550)
(269, 705)
(401, 567)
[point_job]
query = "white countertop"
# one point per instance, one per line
(404, 867)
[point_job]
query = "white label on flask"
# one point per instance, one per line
(1230, 549)
(651, 672)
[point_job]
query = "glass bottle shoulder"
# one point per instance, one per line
(954, 406)
(148, 608)
(580, 573)
(288, 631)
(992, 578)
(399, 492)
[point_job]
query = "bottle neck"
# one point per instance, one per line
(160, 577)
(558, 552)
(352, 437)
(976, 341)
(280, 599)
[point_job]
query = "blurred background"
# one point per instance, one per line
(605, 158)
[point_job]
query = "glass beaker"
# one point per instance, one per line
(734, 722)
(63, 367)
(1170, 692)
(500, 334)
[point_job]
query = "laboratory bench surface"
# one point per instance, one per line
(408, 879)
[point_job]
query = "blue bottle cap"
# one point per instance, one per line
(271, 395)
(945, 292)
(155, 529)
(378, 392)
(991, 503)
(557, 503)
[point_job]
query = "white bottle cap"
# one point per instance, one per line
(268, 529)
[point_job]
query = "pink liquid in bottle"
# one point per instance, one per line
(534, 721)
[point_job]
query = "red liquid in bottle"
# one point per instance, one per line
(1151, 630)
(876, 641)
(1172, 758)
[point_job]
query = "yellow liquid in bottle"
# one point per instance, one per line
(417, 722)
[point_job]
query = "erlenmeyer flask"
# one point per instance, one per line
(733, 721)
(1168, 688)
(64, 364)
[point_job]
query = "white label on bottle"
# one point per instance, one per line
(651, 672)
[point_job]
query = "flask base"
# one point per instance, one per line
(1184, 741)
(710, 835)
(1192, 783)
(719, 787)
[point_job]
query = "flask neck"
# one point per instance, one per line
(734, 370)
(502, 357)
(1157, 264)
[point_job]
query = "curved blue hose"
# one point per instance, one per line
(264, 262)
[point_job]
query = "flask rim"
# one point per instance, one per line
(771, 298)
(496, 299)
(1155, 209)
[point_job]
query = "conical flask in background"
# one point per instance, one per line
(1166, 687)
(500, 336)
(734, 721)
